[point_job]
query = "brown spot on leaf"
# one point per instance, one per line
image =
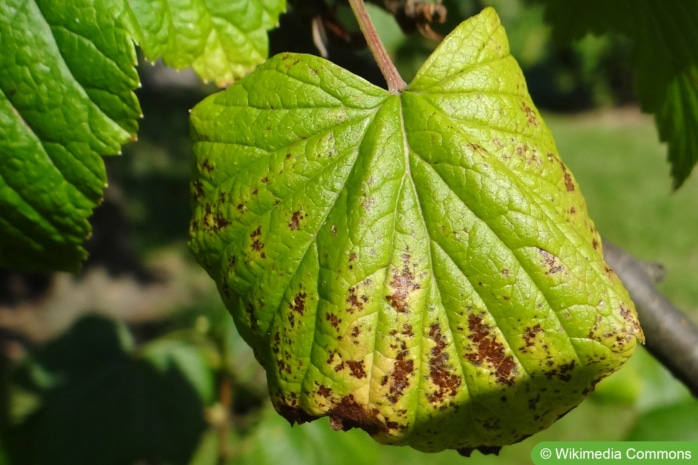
(447, 382)
(333, 319)
(221, 222)
(324, 391)
(564, 373)
(198, 189)
(349, 414)
(529, 335)
(399, 378)
(551, 261)
(356, 368)
(292, 414)
(530, 114)
(298, 304)
(206, 166)
(355, 302)
(295, 221)
(257, 245)
(489, 351)
(403, 283)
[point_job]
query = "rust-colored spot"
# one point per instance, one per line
(355, 332)
(564, 373)
(257, 245)
(298, 304)
(324, 391)
(551, 261)
(489, 351)
(283, 366)
(529, 335)
(333, 319)
(399, 378)
(293, 414)
(447, 381)
(595, 244)
(356, 368)
(206, 166)
(530, 114)
(295, 220)
(349, 414)
(355, 302)
(504, 272)
(221, 222)
(403, 283)
(264, 180)
(569, 184)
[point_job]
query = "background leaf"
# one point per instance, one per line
(66, 76)
(121, 406)
(221, 40)
(665, 60)
(418, 265)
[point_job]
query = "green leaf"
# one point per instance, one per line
(121, 407)
(221, 40)
(419, 265)
(673, 422)
(665, 61)
(66, 79)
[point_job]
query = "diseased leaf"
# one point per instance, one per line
(665, 61)
(221, 40)
(66, 79)
(420, 265)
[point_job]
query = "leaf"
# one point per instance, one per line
(121, 407)
(420, 265)
(673, 422)
(66, 76)
(665, 61)
(221, 40)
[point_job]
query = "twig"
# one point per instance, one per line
(392, 77)
(671, 336)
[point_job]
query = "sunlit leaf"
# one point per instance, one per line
(419, 265)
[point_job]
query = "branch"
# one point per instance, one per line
(671, 337)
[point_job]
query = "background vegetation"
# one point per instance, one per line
(161, 375)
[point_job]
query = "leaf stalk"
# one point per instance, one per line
(392, 77)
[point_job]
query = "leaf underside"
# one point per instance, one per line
(420, 265)
(665, 62)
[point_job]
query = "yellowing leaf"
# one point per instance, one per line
(420, 265)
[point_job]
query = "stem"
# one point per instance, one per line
(395, 82)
